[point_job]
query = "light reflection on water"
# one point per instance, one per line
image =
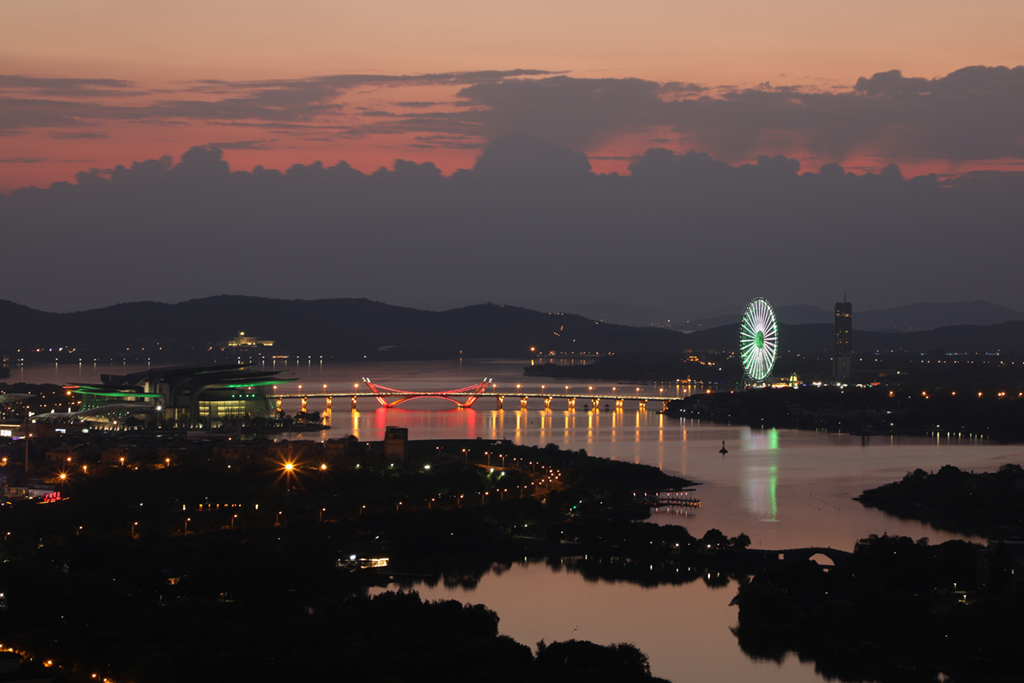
(683, 629)
(782, 488)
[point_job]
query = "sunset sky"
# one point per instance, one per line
(743, 105)
(94, 84)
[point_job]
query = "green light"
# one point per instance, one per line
(758, 340)
(256, 383)
(113, 394)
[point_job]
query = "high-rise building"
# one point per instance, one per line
(842, 367)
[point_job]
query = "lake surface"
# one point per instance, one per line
(783, 488)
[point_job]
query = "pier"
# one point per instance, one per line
(668, 499)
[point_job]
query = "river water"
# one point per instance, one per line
(783, 488)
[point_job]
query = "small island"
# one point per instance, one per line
(901, 609)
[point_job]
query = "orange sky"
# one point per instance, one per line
(169, 46)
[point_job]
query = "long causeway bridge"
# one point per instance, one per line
(465, 397)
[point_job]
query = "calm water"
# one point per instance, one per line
(782, 488)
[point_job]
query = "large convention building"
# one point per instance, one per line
(185, 396)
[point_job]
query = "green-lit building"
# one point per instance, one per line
(186, 396)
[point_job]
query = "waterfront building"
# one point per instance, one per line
(187, 396)
(244, 340)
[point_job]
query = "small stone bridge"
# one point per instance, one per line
(768, 558)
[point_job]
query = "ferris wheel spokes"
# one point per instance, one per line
(758, 340)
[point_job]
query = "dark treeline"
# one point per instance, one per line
(899, 611)
(718, 363)
(985, 503)
(902, 409)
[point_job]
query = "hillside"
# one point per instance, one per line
(354, 328)
(342, 328)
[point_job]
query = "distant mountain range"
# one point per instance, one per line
(342, 328)
(909, 318)
(357, 328)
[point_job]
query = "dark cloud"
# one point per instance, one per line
(18, 113)
(680, 232)
(40, 160)
(68, 87)
(241, 144)
(447, 141)
(969, 115)
(27, 102)
(421, 105)
(674, 89)
(77, 135)
(579, 113)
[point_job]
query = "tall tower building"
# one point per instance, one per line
(842, 367)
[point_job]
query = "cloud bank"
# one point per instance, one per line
(968, 117)
(685, 233)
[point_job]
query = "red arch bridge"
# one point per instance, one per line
(465, 397)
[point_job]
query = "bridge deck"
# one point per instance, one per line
(486, 394)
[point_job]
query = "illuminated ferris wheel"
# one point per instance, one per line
(759, 339)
